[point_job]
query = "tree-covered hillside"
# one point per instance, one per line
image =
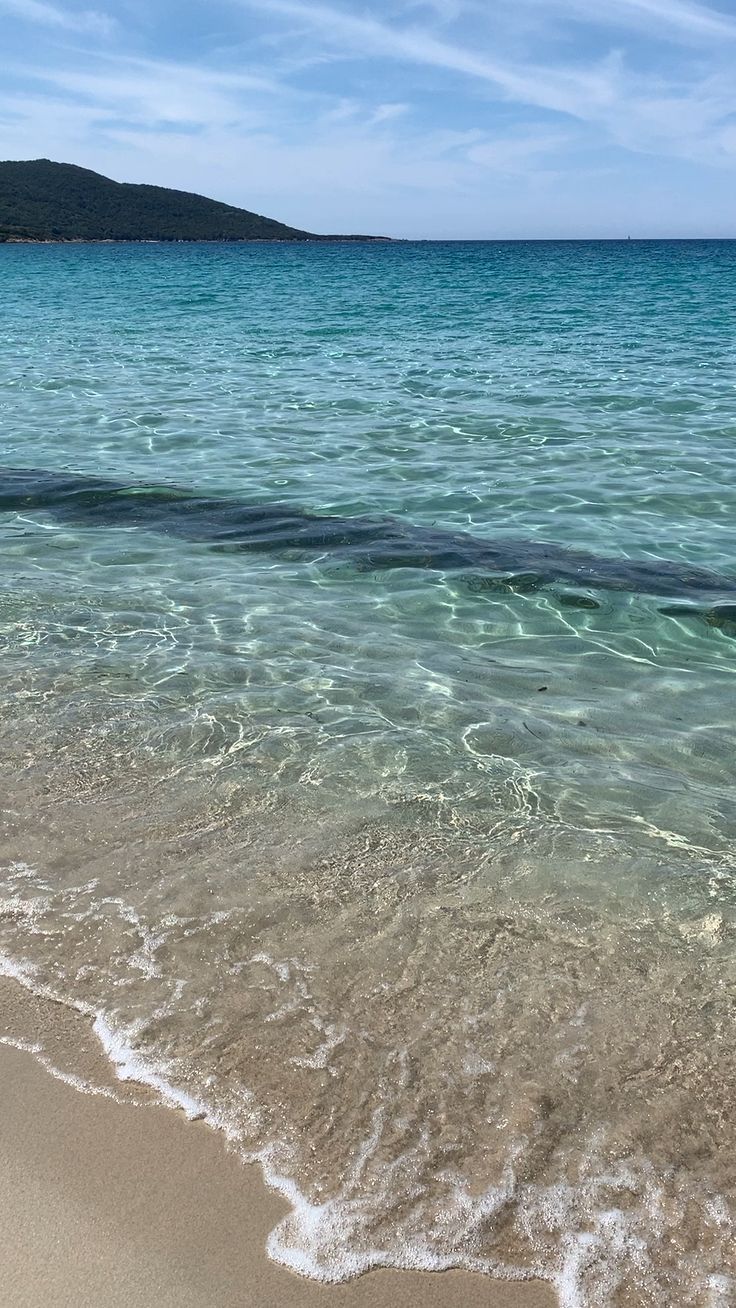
(42, 200)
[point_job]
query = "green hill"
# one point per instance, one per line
(45, 201)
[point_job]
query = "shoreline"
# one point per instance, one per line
(197, 240)
(129, 1203)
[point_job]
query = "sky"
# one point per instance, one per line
(441, 119)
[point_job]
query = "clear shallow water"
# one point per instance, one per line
(424, 890)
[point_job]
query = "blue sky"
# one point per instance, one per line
(425, 118)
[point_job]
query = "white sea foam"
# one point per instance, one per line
(22, 972)
(26, 1046)
(333, 1037)
(130, 1066)
(69, 1078)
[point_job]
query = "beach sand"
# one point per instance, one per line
(130, 1205)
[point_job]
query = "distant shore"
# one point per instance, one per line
(201, 240)
(123, 1205)
(50, 203)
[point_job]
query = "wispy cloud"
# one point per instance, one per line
(157, 91)
(557, 88)
(664, 17)
(685, 17)
(384, 113)
(48, 15)
(641, 109)
(513, 153)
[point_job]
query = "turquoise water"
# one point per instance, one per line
(415, 871)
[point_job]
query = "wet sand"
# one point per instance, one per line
(130, 1205)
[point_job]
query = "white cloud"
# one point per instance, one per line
(514, 153)
(384, 113)
(685, 19)
(155, 92)
(549, 87)
(682, 113)
(38, 11)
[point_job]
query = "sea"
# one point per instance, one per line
(367, 722)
